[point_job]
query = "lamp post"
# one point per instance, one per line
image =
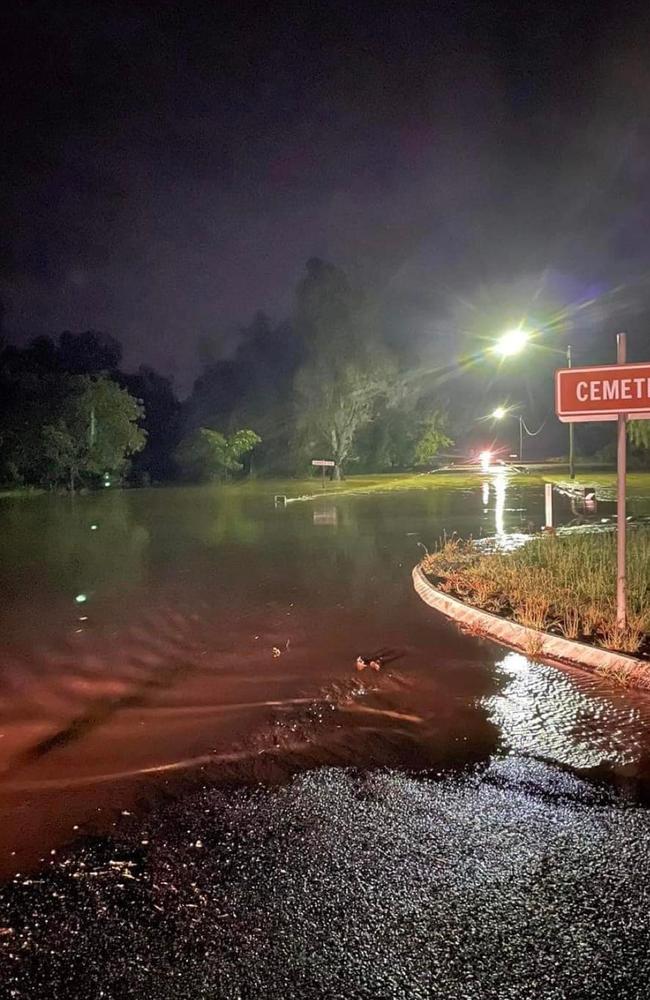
(513, 342)
(500, 413)
(509, 343)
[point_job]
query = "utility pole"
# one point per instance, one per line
(521, 438)
(572, 470)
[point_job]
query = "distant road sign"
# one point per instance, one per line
(602, 393)
(323, 461)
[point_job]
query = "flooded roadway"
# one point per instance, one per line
(139, 631)
(187, 813)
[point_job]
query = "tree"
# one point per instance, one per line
(161, 421)
(207, 454)
(88, 353)
(639, 434)
(28, 401)
(253, 388)
(432, 440)
(346, 371)
(403, 434)
(334, 404)
(95, 432)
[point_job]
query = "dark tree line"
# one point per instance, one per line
(322, 384)
(70, 416)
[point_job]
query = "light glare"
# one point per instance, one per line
(486, 460)
(512, 342)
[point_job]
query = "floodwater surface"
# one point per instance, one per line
(152, 635)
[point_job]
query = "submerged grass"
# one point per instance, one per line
(560, 583)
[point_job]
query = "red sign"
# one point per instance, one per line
(602, 393)
(322, 461)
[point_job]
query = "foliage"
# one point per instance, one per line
(252, 388)
(565, 582)
(432, 440)
(162, 422)
(346, 372)
(334, 406)
(27, 402)
(88, 353)
(48, 392)
(639, 433)
(95, 432)
(207, 454)
(323, 385)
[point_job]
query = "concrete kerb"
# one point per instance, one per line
(626, 670)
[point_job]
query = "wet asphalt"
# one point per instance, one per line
(515, 880)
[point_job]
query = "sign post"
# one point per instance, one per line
(608, 392)
(572, 468)
(323, 463)
(621, 472)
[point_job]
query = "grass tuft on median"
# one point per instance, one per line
(560, 583)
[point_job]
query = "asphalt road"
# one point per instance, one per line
(508, 882)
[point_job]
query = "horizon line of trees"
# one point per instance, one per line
(326, 383)
(322, 384)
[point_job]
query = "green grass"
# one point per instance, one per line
(604, 481)
(562, 583)
(378, 483)
(638, 483)
(18, 492)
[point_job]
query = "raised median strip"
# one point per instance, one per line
(628, 671)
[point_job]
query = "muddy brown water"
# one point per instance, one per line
(138, 638)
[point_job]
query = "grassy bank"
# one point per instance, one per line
(563, 584)
(638, 483)
(603, 480)
(19, 492)
(380, 483)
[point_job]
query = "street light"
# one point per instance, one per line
(502, 411)
(511, 342)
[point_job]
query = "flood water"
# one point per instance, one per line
(149, 636)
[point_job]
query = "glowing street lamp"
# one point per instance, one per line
(511, 342)
(502, 411)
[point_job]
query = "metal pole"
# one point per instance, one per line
(621, 611)
(572, 471)
(93, 427)
(521, 438)
(548, 504)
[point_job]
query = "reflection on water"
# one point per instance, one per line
(500, 483)
(327, 515)
(569, 718)
(168, 664)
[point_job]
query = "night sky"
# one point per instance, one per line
(168, 168)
